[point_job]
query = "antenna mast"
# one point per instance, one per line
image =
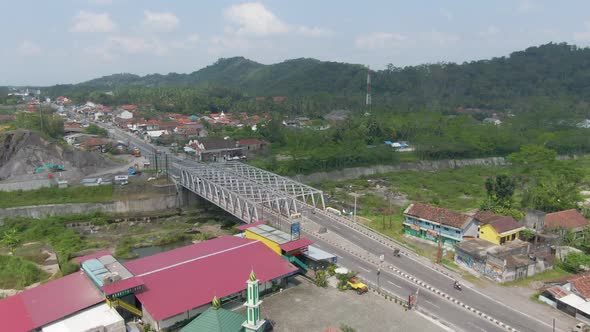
(368, 101)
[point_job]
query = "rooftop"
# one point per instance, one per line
(216, 320)
(49, 302)
(504, 224)
(438, 215)
(95, 317)
(273, 234)
(174, 279)
(568, 219)
(475, 247)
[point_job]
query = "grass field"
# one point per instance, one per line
(41, 196)
(17, 273)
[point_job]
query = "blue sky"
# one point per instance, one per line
(70, 41)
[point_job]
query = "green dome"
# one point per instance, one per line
(252, 276)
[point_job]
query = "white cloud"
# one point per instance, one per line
(254, 19)
(160, 21)
(583, 36)
(490, 31)
(379, 40)
(139, 45)
(28, 48)
(446, 14)
(93, 22)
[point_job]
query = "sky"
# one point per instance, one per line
(71, 41)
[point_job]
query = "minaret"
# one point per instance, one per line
(253, 322)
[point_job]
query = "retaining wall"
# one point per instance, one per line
(118, 207)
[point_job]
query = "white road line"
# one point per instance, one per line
(398, 286)
(477, 327)
(432, 304)
(364, 269)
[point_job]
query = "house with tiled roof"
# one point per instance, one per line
(438, 224)
(570, 294)
(501, 263)
(568, 220)
(497, 229)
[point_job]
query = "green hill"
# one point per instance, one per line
(558, 71)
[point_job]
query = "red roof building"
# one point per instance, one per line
(129, 107)
(182, 280)
(568, 219)
(49, 302)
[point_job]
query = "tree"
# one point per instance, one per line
(500, 190)
(346, 328)
(96, 130)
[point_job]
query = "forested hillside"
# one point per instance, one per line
(552, 70)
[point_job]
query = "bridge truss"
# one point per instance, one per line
(304, 193)
(237, 195)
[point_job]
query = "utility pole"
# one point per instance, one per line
(439, 252)
(354, 213)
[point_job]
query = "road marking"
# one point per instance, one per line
(364, 269)
(398, 286)
(432, 304)
(477, 327)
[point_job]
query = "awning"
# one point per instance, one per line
(297, 244)
(317, 254)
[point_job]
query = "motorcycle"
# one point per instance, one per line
(396, 253)
(457, 286)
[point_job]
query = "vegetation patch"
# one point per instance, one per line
(53, 195)
(17, 273)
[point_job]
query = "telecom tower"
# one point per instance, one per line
(368, 88)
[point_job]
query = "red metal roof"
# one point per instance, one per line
(189, 277)
(49, 302)
(14, 313)
(91, 256)
(297, 244)
(122, 285)
(246, 226)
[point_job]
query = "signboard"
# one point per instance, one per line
(415, 227)
(295, 230)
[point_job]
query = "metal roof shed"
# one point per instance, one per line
(101, 317)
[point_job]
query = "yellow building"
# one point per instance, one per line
(497, 229)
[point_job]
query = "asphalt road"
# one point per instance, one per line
(443, 309)
(471, 297)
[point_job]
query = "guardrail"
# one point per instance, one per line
(368, 231)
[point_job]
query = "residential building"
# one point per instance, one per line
(125, 115)
(535, 220)
(564, 221)
(501, 263)
(437, 224)
(497, 229)
(570, 295)
(215, 149)
(253, 144)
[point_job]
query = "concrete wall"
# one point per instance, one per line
(117, 207)
(27, 185)
(427, 165)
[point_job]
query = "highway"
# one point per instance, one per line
(453, 315)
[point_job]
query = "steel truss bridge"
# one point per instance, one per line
(245, 191)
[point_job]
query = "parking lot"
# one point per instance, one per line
(306, 307)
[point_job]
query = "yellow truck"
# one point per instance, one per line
(356, 284)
